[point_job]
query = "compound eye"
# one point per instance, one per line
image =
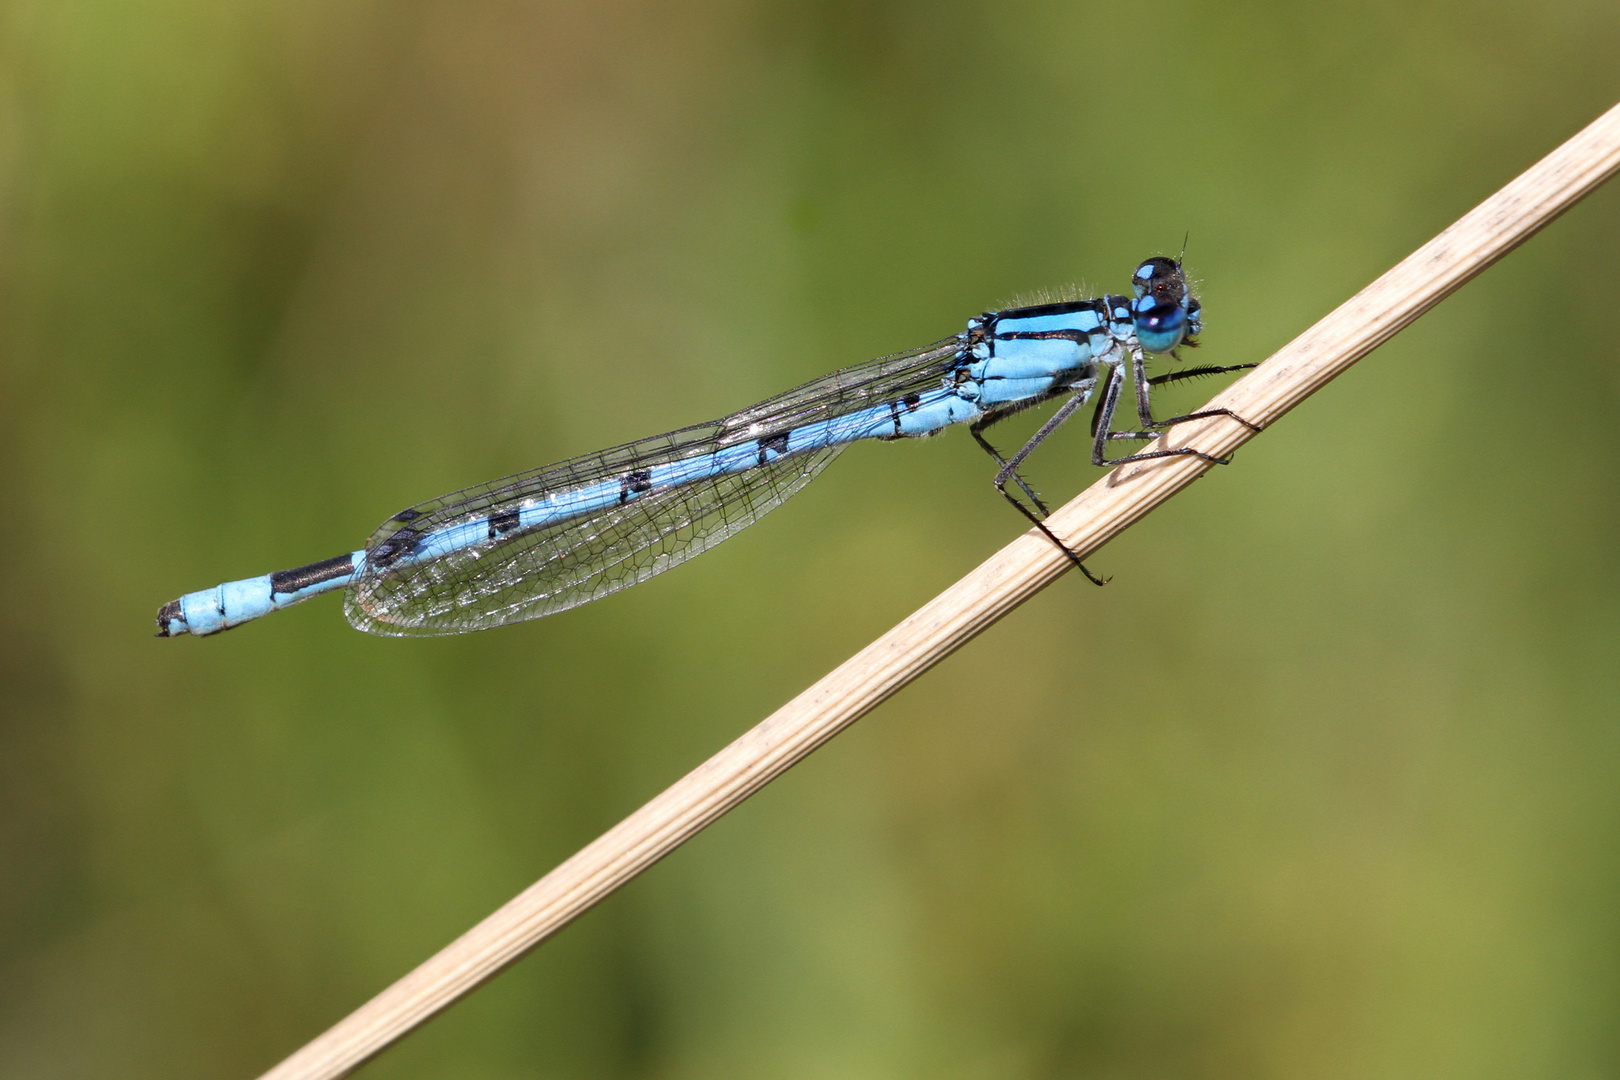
(1160, 327)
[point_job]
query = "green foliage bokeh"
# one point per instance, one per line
(1322, 785)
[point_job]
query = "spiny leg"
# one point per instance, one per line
(995, 416)
(1144, 406)
(1196, 373)
(1009, 469)
(1082, 394)
(1174, 420)
(1099, 455)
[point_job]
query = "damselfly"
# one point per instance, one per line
(543, 541)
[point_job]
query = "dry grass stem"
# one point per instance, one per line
(1011, 576)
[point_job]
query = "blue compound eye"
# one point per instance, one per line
(1160, 327)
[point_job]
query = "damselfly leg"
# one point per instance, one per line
(1009, 466)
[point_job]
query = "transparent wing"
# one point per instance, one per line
(527, 573)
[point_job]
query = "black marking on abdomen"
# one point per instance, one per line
(910, 403)
(167, 614)
(396, 547)
(776, 443)
(1046, 335)
(291, 581)
(1060, 307)
(502, 523)
(634, 483)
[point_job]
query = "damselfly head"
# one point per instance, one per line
(1165, 312)
(1160, 278)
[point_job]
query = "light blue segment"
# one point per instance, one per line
(224, 606)
(1024, 359)
(1008, 391)
(443, 541)
(572, 504)
(237, 602)
(1083, 319)
(931, 416)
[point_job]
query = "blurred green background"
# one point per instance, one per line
(1323, 785)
